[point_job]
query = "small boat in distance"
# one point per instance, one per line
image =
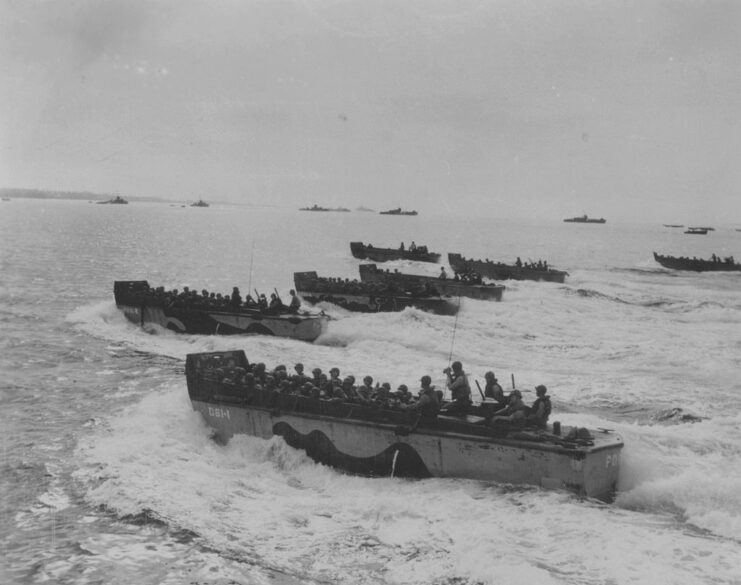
(316, 207)
(370, 252)
(383, 440)
(696, 230)
(397, 211)
(585, 219)
(199, 203)
(714, 264)
(117, 200)
(500, 271)
(674, 225)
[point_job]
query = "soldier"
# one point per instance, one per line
(540, 410)
(299, 378)
(460, 390)
(427, 404)
(403, 395)
(295, 303)
(276, 305)
(494, 390)
(334, 377)
(364, 392)
(515, 410)
(236, 299)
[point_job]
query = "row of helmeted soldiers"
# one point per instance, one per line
(323, 284)
(428, 401)
(539, 265)
(205, 300)
(719, 260)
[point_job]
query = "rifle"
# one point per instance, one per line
(480, 392)
(446, 371)
(257, 300)
(513, 385)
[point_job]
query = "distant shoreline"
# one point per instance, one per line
(75, 195)
(11, 193)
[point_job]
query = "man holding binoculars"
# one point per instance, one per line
(460, 390)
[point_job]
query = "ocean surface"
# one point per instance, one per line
(108, 476)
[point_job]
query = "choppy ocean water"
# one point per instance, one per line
(108, 476)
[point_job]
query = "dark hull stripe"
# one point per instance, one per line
(399, 459)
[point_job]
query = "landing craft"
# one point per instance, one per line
(379, 441)
(134, 299)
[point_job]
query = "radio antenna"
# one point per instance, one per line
(252, 255)
(455, 326)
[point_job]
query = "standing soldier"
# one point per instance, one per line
(295, 303)
(460, 390)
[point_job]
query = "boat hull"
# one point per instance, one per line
(379, 304)
(498, 271)
(317, 208)
(217, 322)
(381, 442)
(311, 291)
(493, 292)
(385, 450)
(696, 265)
(363, 252)
(397, 212)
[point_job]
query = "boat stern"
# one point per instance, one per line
(592, 469)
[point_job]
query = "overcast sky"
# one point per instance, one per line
(629, 110)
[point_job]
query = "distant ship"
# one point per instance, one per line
(674, 225)
(316, 207)
(696, 231)
(397, 211)
(117, 200)
(585, 219)
(199, 203)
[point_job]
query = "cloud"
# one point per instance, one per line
(373, 98)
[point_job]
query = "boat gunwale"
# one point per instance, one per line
(425, 430)
(549, 274)
(248, 313)
(384, 275)
(695, 264)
